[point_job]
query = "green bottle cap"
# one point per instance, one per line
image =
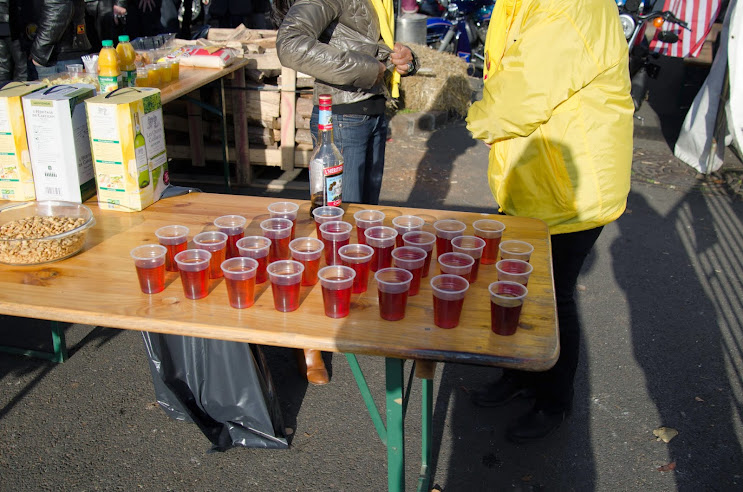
(106, 43)
(123, 39)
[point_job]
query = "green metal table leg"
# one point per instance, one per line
(58, 342)
(367, 396)
(426, 434)
(395, 425)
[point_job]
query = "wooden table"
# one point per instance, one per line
(99, 287)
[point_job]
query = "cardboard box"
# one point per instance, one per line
(16, 175)
(128, 143)
(57, 132)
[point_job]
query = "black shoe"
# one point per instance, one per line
(499, 393)
(535, 425)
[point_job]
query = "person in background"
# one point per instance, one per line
(13, 65)
(105, 19)
(557, 114)
(143, 18)
(232, 13)
(347, 46)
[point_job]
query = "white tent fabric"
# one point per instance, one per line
(695, 140)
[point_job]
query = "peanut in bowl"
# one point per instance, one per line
(32, 233)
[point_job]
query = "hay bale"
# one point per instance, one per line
(442, 83)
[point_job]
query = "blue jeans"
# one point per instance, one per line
(361, 139)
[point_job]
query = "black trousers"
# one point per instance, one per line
(554, 388)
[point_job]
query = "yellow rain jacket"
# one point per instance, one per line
(556, 108)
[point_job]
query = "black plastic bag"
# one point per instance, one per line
(225, 388)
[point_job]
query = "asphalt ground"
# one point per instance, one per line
(659, 297)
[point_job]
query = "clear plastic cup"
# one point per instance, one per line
(234, 227)
(358, 257)
(256, 247)
(153, 75)
(326, 214)
(285, 210)
(149, 260)
(239, 275)
(404, 224)
(472, 246)
(506, 301)
(142, 80)
(515, 250)
(446, 230)
(175, 239)
(366, 219)
(489, 231)
(424, 241)
(514, 270)
(448, 299)
(307, 251)
(336, 282)
(194, 267)
(335, 234)
(456, 264)
(279, 231)
(411, 259)
(382, 241)
(214, 242)
(286, 276)
(393, 285)
(166, 76)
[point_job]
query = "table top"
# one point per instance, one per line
(191, 78)
(99, 286)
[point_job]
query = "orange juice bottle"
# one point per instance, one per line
(109, 76)
(126, 54)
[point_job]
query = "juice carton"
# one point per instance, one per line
(57, 131)
(128, 142)
(16, 175)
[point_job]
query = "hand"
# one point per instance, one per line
(119, 13)
(401, 56)
(143, 4)
(36, 63)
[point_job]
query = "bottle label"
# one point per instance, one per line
(128, 78)
(325, 118)
(333, 185)
(109, 84)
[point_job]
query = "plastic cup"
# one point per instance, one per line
(424, 241)
(448, 299)
(411, 259)
(489, 231)
(446, 230)
(336, 282)
(506, 300)
(366, 219)
(175, 239)
(382, 241)
(326, 214)
(515, 250)
(194, 267)
(142, 80)
(153, 75)
(393, 285)
(456, 264)
(175, 69)
(404, 224)
(239, 275)
(285, 210)
(234, 227)
(472, 246)
(165, 74)
(307, 251)
(286, 276)
(514, 270)
(335, 234)
(256, 247)
(279, 231)
(358, 257)
(149, 260)
(214, 242)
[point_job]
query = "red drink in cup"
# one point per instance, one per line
(326, 214)
(194, 267)
(214, 242)
(424, 241)
(456, 264)
(506, 300)
(286, 276)
(515, 250)
(446, 230)
(393, 285)
(404, 224)
(335, 234)
(149, 260)
(489, 231)
(357, 256)
(382, 241)
(234, 227)
(279, 231)
(256, 247)
(366, 219)
(175, 239)
(307, 251)
(336, 282)
(285, 210)
(448, 299)
(514, 270)
(411, 259)
(239, 275)
(471, 246)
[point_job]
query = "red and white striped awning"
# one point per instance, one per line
(699, 14)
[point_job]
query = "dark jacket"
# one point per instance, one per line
(54, 30)
(220, 8)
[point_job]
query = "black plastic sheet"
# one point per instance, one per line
(225, 388)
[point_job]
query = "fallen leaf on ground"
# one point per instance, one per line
(669, 467)
(698, 399)
(665, 434)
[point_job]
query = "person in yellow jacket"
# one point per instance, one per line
(557, 114)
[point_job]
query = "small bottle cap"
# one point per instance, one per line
(123, 38)
(106, 43)
(325, 99)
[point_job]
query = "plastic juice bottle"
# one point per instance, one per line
(109, 76)
(126, 54)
